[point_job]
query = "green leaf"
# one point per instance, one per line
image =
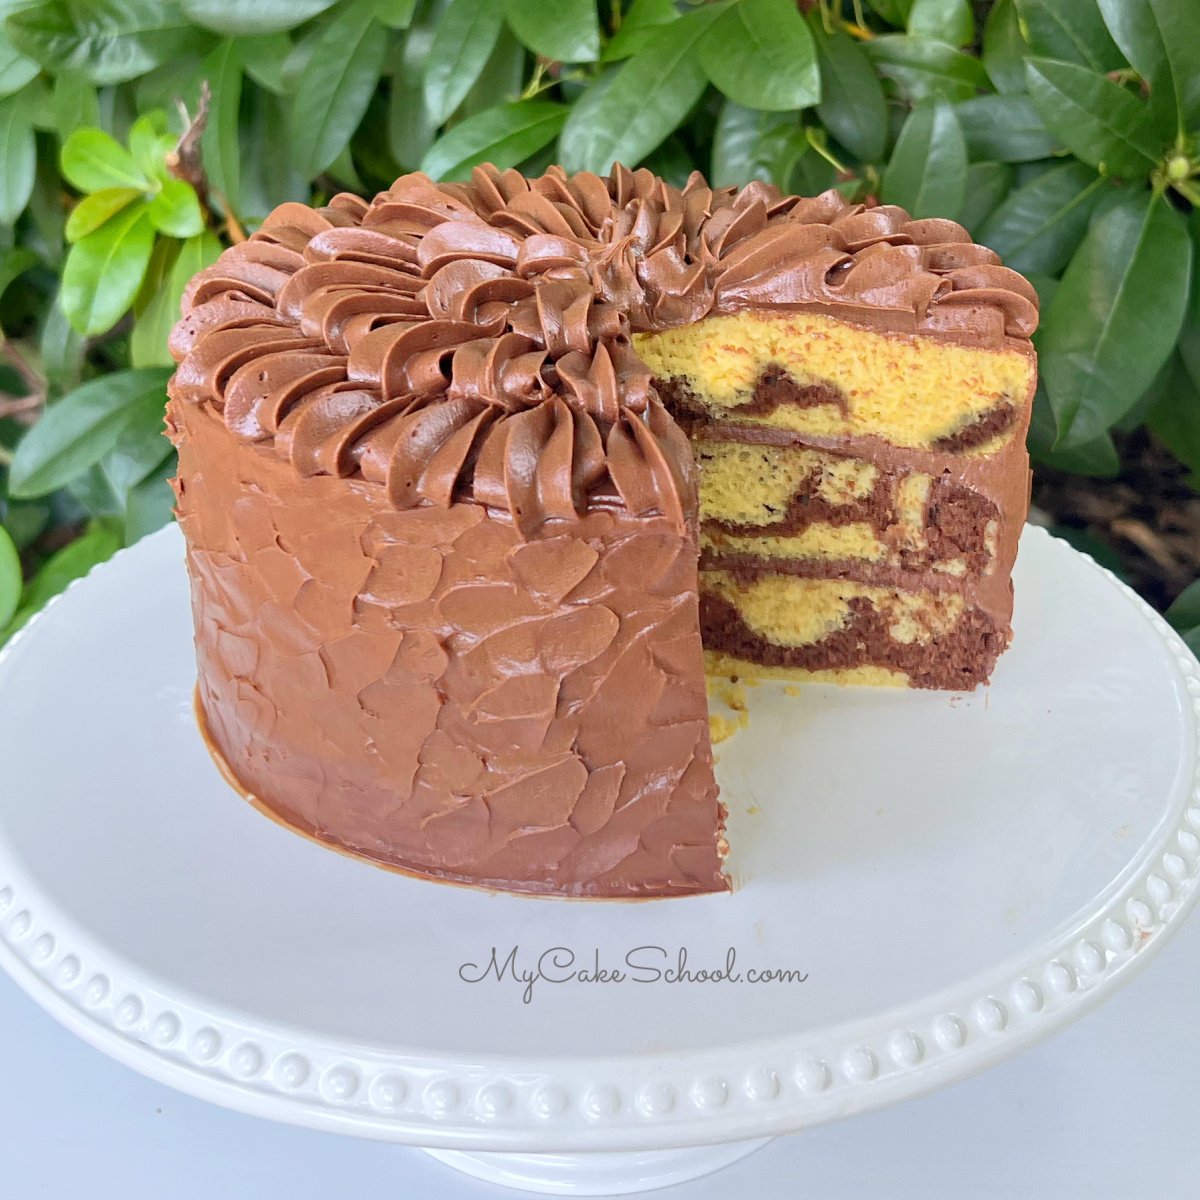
(151, 504)
(1116, 315)
(1071, 30)
(1040, 225)
(853, 107)
(928, 170)
(1095, 119)
(1096, 458)
(1175, 418)
(569, 32)
(1159, 38)
(1184, 612)
(648, 97)
(987, 185)
(236, 18)
(1004, 48)
(92, 160)
(343, 72)
(262, 58)
(92, 211)
(396, 14)
(15, 72)
(18, 157)
(11, 580)
(62, 351)
(141, 444)
(637, 27)
(504, 135)
(98, 543)
(760, 53)
(13, 264)
(895, 12)
(75, 105)
(105, 41)
(921, 68)
(410, 129)
(462, 42)
(148, 342)
(501, 79)
(1004, 128)
(219, 142)
(745, 144)
(150, 143)
(104, 270)
(80, 429)
(175, 211)
(949, 21)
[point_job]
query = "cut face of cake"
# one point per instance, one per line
(473, 475)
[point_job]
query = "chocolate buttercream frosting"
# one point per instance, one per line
(442, 530)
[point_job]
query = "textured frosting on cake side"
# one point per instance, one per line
(442, 531)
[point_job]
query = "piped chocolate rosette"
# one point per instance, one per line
(552, 358)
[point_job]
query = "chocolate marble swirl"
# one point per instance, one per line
(471, 341)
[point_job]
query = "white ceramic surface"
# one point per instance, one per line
(957, 876)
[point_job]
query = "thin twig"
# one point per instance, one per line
(186, 161)
(33, 381)
(21, 406)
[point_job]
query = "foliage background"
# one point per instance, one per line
(138, 137)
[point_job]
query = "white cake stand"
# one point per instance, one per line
(956, 877)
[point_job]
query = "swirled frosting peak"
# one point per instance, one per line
(472, 341)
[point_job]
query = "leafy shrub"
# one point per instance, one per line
(137, 137)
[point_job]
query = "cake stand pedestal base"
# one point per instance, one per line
(604, 1174)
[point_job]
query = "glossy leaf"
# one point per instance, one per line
(11, 581)
(567, 31)
(344, 69)
(80, 429)
(263, 58)
(1071, 30)
(921, 68)
(106, 41)
(410, 129)
(148, 342)
(15, 71)
(745, 143)
(175, 211)
(463, 40)
(92, 211)
(91, 160)
(1004, 128)
(987, 185)
(638, 26)
(1040, 225)
(18, 157)
(150, 143)
(648, 97)
(852, 107)
(235, 18)
(1175, 421)
(949, 21)
(1098, 121)
(104, 271)
(1161, 40)
(504, 135)
(141, 443)
(1004, 48)
(219, 143)
(927, 173)
(1116, 315)
(502, 77)
(150, 504)
(760, 53)
(74, 105)
(1096, 458)
(895, 12)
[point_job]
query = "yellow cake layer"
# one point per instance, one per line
(729, 666)
(792, 611)
(906, 389)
